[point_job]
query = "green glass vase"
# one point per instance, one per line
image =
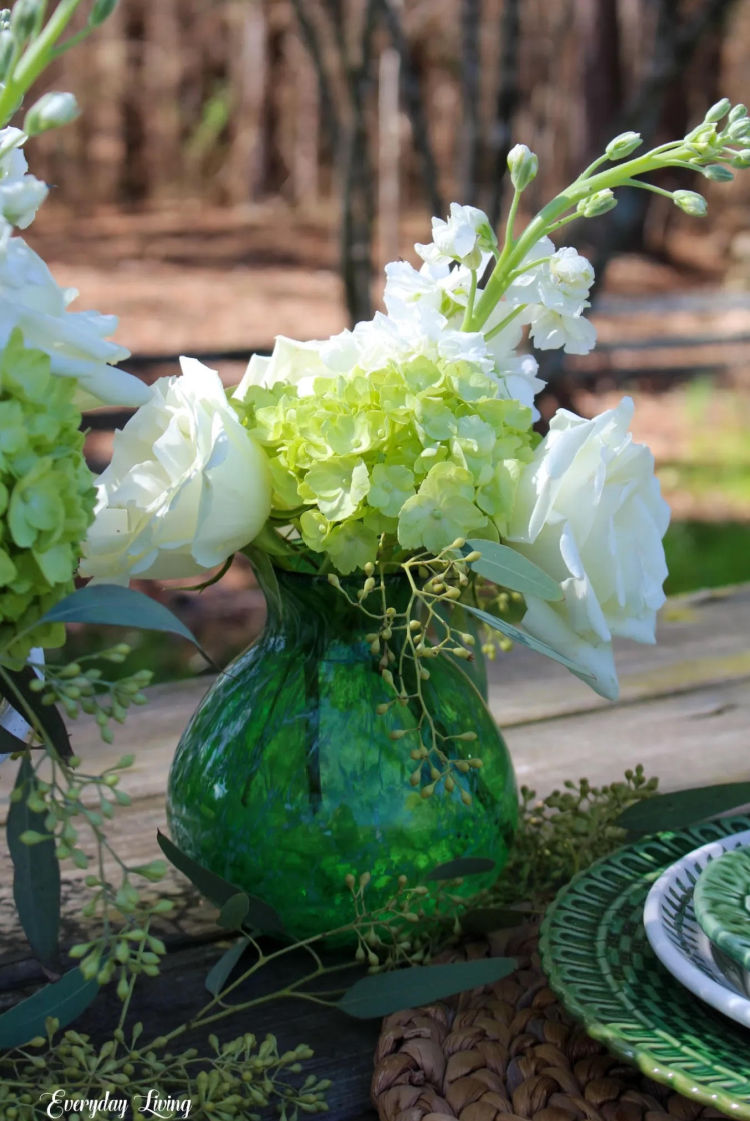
(286, 779)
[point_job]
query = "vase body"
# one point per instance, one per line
(286, 779)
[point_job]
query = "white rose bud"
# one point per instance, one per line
(186, 488)
(522, 165)
(691, 202)
(589, 511)
(51, 111)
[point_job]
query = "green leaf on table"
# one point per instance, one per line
(464, 866)
(36, 872)
(218, 890)
(684, 807)
(64, 1000)
(525, 639)
(15, 687)
(234, 912)
(483, 920)
(115, 606)
(383, 993)
(218, 974)
(503, 565)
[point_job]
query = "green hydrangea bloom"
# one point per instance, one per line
(391, 461)
(46, 496)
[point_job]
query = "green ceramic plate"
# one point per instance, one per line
(722, 906)
(598, 960)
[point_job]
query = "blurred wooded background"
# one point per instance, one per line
(377, 108)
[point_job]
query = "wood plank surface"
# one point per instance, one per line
(684, 713)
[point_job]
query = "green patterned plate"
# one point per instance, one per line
(722, 907)
(598, 960)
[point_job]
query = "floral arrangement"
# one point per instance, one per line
(407, 444)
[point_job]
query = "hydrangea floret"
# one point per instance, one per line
(54, 362)
(46, 496)
(407, 444)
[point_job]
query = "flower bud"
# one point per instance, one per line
(691, 202)
(7, 46)
(717, 173)
(742, 159)
(739, 129)
(24, 18)
(51, 111)
(598, 203)
(719, 110)
(622, 145)
(737, 113)
(101, 10)
(522, 165)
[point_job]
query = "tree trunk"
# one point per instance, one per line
(470, 136)
(508, 97)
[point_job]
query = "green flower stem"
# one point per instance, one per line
(514, 252)
(205, 1016)
(508, 318)
(470, 301)
(36, 58)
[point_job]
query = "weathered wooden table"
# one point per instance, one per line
(684, 714)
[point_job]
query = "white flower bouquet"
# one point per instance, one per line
(408, 444)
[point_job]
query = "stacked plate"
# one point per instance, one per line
(632, 943)
(694, 918)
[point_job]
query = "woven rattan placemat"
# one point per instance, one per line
(509, 1052)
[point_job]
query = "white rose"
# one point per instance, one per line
(187, 485)
(589, 512)
(75, 341)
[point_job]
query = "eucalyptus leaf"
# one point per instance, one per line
(64, 1000)
(234, 911)
(525, 639)
(503, 565)
(218, 890)
(14, 686)
(682, 808)
(383, 993)
(113, 605)
(464, 866)
(36, 873)
(219, 972)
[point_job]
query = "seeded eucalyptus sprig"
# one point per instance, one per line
(81, 687)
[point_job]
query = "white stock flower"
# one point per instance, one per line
(187, 485)
(463, 237)
(589, 512)
(564, 282)
(550, 330)
(21, 195)
(76, 342)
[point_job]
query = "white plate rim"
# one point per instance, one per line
(722, 997)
